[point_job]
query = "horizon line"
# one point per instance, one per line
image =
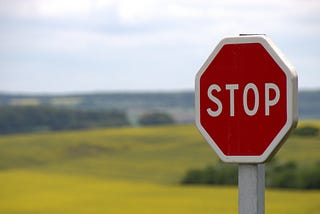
(128, 91)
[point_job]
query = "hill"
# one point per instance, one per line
(150, 154)
(136, 170)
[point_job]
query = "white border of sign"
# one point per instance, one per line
(292, 102)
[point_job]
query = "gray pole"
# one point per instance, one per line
(251, 182)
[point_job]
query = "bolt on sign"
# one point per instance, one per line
(246, 99)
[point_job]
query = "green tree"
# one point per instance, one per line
(307, 131)
(155, 118)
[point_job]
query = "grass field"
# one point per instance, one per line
(37, 192)
(134, 170)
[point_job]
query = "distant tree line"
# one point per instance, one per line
(278, 175)
(219, 174)
(155, 118)
(17, 119)
(120, 100)
(22, 119)
(307, 131)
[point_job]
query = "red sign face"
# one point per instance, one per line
(246, 99)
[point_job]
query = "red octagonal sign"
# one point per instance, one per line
(246, 99)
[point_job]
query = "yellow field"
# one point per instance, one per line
(36, 192)
(129, 170)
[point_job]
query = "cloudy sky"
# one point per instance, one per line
(58, 46)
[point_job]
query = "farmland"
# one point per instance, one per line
(117, 170)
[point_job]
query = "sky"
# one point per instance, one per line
(75, 46)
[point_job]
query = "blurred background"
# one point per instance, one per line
(97, 105)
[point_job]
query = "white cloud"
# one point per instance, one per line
(62, 8)
(135, 33)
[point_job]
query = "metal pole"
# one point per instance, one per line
(251, 183)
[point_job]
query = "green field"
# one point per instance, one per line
(134, 170)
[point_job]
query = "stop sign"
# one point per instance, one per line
(246, 99)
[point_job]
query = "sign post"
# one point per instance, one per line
(251, 183)
(245, 107)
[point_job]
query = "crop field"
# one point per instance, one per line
(130, 170)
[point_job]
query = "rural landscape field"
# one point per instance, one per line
(99, 101)
(131, 170)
